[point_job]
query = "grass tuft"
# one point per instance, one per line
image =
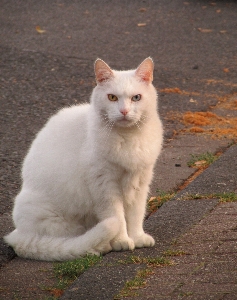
(130, 287)
(223, 197)
(156, 202)
(202, 160)
(174, 253)
(150, 261)
(139, 281)
(68, 271)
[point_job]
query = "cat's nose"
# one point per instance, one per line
(124, 112)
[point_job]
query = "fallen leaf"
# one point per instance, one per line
(213, 4)
(39, 30)
(223, 31)
(57, 292)
(226, 70)
(200, 163)
(218, 11)
(151, 199)
(196, 129)
(205, 30)
(141, 24)
(175, 90)
(192, 100)
(143, 9)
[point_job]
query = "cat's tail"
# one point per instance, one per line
(94, 241)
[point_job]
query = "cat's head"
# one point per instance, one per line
(124, 98)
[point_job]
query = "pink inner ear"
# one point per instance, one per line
(102, 71)
(145, 71)
(103, 76)
(146, 76)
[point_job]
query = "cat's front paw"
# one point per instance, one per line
(124, 243)
(144, 240)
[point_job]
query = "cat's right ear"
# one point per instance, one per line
(145, 70)
(102, 71)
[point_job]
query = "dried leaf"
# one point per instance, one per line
(218, 11)
(141, 24)
(151, 199)
(143, 9)
(226, 70)
(39, 30)
(57, 292)
(200, 163)
(205, 30)
(223, 31)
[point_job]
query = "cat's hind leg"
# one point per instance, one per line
(34, 213)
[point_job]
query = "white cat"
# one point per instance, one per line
(86, 176)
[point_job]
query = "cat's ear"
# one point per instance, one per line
(145, 70)
(102, 71)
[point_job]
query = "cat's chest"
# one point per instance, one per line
(130, 152)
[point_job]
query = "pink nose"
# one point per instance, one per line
(124, 111)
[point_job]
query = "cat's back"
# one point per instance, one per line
(63, 134)
(68, 119)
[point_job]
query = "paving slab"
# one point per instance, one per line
(172, 167)
(220, 177)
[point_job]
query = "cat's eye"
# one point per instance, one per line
(136, 97)
(112, 97)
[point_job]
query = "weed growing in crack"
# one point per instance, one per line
(156, 202)
(202, 160)
(174, 253)
(150, 261)
(223, 197)
(131, 287)
(68, 271)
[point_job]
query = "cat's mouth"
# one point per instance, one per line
(125, 121)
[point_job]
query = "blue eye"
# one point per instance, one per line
(136, 97)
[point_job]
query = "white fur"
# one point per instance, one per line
(86, 176)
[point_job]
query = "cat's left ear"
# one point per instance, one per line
(102, 71)
(145, 70)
